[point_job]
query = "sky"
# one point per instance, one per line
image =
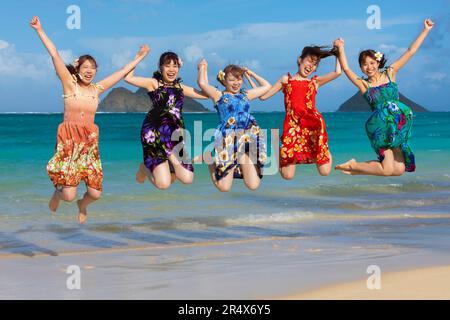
(265, 35)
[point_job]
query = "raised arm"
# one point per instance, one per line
(257, 92)
(141, 82)
(397, 65)
(193, 92)
(357, 81)
(203, 83)
(330, 76)
(249, 79)
(275, 88)
(111, 80)
(60, 67)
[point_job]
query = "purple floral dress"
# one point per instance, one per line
(162, 129)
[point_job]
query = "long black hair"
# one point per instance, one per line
(318, 51)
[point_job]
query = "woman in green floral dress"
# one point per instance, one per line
(389, 126)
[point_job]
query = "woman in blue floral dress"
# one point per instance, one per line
(238, 141)
(164, 157)
(389, 126)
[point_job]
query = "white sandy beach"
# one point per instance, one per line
(419, 284)
(299, 268)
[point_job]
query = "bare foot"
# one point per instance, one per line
(347, 166)
(53, 204)
(82, 214)
(140, 175)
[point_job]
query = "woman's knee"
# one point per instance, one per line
(186, 179)
(223, 187)
(95, 194)
(399, 170)
(324, 171)
(68, 196)
(253, 185)
(388, 171)
(163, 184)
(287, 175)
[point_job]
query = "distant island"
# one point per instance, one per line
(357, 103)
(123, 100)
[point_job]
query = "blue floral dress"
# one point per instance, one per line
(389, 126)
(237, 133)
(162, 129)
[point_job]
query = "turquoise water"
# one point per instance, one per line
(406, 210)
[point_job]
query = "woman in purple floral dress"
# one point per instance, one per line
(165, 159)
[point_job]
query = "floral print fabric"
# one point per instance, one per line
(237, 133)
(77, 156)
(304, 139)
(390, 124)
(162, 129)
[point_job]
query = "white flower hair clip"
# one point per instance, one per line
(221, 75)
(378, 56)
(180, 62)
(76, 62)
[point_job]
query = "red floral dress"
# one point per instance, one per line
(304, 138)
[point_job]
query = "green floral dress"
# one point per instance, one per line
(389, 126)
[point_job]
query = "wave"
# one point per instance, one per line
(277, 218)
(368, 189)
(404, 203)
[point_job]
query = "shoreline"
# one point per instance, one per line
(170, 272)
(430, 283)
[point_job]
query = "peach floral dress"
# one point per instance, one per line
(77, 156)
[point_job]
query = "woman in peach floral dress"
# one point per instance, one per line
(77, 155)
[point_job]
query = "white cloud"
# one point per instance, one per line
(193, 53)
(3, 44)
(390, 49)
(272, 49)
(269, 48)
(436, 76)
(67, 56)
(252, 64)
(119, 60)
(15, 65)
(35, 66)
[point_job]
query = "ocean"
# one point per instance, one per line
(199, 209)
(373, 216)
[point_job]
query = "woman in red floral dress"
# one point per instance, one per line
(304, 138)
